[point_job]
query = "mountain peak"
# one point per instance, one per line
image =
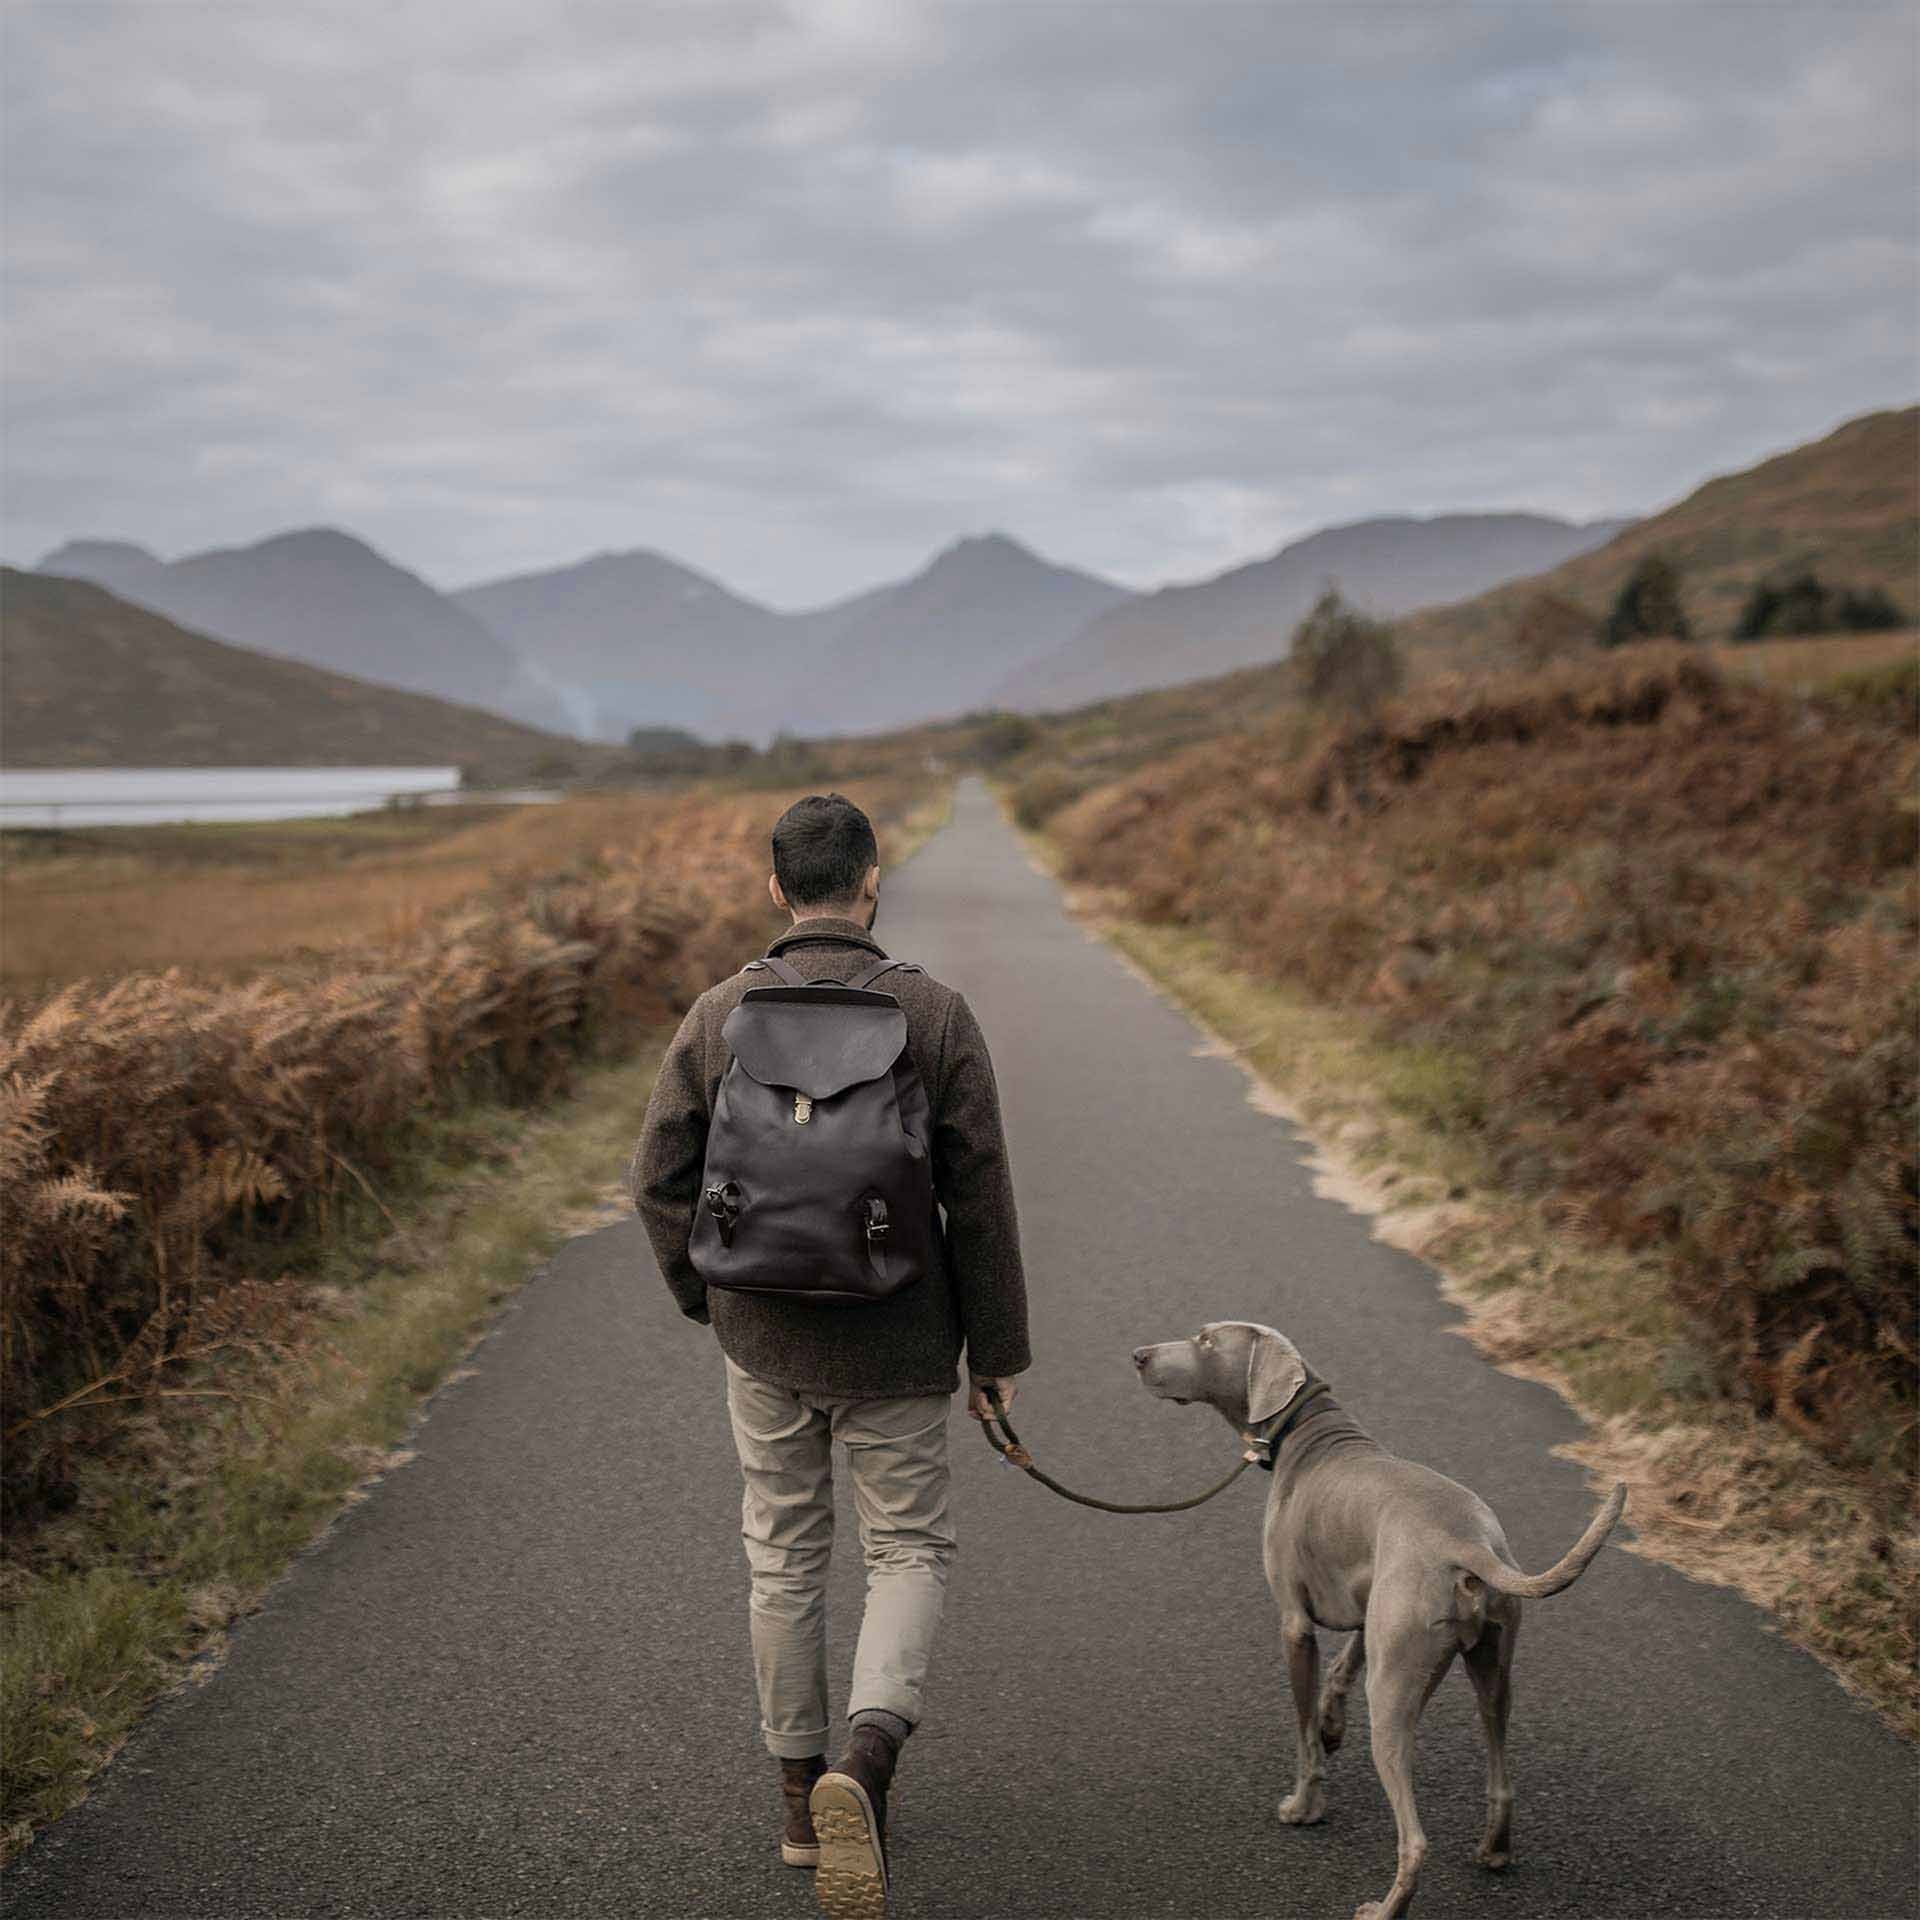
(322, 543)
(990, 546)
(77, 557)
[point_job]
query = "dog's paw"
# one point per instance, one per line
(1494, 1858)
(1304, 1806)
(1371, 1910)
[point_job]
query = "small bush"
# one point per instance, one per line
(1344, 660)
(1648, 606)
(1801, 602)
(1869, 610)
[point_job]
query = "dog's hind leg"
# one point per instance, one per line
(1333, 1696)
(1401, 1677)
(1307, 1803)
(1490, 1668)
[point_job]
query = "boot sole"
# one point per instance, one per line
(851, 1882)
(799, 1856)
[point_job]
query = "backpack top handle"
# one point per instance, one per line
(859, 983)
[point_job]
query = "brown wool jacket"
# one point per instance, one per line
(975, 1295)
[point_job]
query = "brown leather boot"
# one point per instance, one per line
(850, 1816)
(799, 1846)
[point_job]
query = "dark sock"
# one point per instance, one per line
(890, 1724)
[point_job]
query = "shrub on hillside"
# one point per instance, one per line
(1648, 605)
(1870, 610)
(1345, 661)
(1801, 602)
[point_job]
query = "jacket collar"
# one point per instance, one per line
(830, 928)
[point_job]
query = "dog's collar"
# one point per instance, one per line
(1265, 1446)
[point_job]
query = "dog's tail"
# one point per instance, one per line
(1565, 1571)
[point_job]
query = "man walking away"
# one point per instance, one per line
(805, 1366)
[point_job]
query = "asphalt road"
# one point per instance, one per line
(515, 1680)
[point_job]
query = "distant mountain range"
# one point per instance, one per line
(1246, 616)
(324, 597)
(625, 640)
(90, 680)
(636, 639)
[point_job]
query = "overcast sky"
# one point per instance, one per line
(799, 293)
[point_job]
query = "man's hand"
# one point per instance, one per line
(977, 1385)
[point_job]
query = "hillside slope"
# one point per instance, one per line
(322, 596)
(638, 640)
(1245, 616)
(1847, 504)
(89, 680)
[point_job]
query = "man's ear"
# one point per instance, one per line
(870, 886)
(778, 893)
(1275, 1373)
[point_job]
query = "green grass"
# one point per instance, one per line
(143, 1577)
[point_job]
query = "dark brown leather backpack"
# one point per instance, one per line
(818, 1182)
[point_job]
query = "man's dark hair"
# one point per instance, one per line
(822, 848)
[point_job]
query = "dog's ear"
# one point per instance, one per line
(1275, 1373)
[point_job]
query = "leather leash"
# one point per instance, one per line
(1010, 1449)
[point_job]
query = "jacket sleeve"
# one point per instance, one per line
(975, 1186)
(663, 1179)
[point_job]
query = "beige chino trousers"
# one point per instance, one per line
(897, 1453)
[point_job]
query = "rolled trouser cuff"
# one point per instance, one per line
(900, 1702)
(795, 1746)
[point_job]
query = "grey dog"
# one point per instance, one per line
(1413, 1564)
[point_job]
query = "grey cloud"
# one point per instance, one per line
(799, 293)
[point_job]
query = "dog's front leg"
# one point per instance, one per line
(1307, 1803)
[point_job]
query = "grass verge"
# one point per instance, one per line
(129, 1595)
(1715, 1491)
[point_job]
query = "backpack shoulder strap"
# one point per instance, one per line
(873, 973)
(778, 968)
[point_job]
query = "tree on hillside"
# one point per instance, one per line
(1344, 660)
(1648, 606)
(1551, 627)
(1801, 602)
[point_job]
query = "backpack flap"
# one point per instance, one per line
(815, 1040)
